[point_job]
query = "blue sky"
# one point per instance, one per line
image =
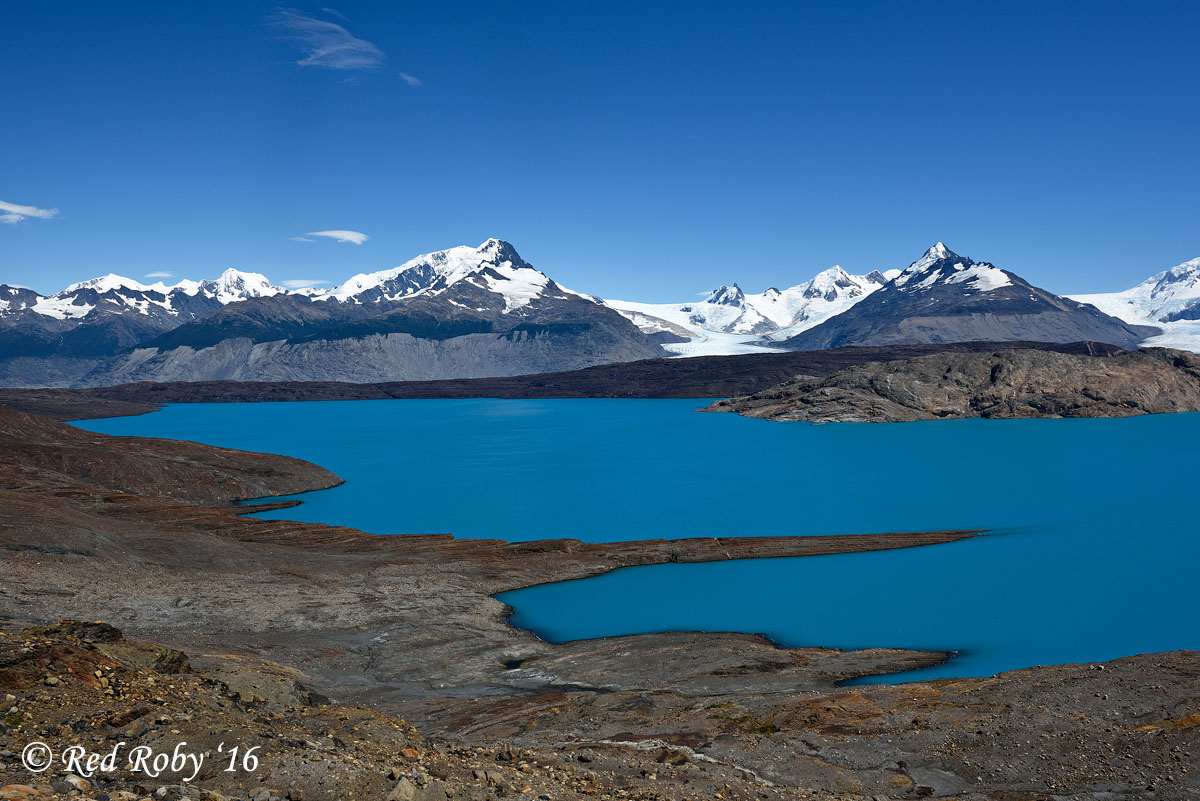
(630, 149)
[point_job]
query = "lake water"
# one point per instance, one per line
(1093, 554)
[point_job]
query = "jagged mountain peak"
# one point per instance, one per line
(727, 296)
(941, 266)
(935, 255)
(494, 267)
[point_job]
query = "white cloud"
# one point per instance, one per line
(14, 213)
(159, 274)
(348, 237)
(327, 44)
(301, 239)
(302, 283)
(411, 80)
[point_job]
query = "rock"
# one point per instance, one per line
(151, 657)
(92, 632)
(78, 782)
(20, 792)
(407, 790)
(51, 681)
(1001, 384)
(490, 777)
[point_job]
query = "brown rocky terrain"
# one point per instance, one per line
(696, 377)
(997, 384)
(272, 615)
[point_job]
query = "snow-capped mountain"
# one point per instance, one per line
(476, 311)
(456, 313)
(493, 267)
(729, 318)
(1169, 296)
(944, 297)
(115, 294)
(1169, 299)
(941, 266)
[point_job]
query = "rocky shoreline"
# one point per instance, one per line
(142, 535)
(1002, 384)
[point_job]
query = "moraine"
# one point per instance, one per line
(1091, 556)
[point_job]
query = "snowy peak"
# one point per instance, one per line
(494, 267)
(116, 294)
(774, 313)
(941, 266)
(728, 296)
(13, 299)
(107, 283)
(1182, 280)
(1169, 296)
(234, 285)
(834, 282)
(938, 253)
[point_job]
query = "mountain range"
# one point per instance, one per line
(1169, 300)
(945, 297)
(483, 311)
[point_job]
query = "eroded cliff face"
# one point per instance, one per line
(1001, 384)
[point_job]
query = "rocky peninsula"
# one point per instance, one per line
(997, 384)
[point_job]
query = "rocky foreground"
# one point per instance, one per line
(997, 384)
(257, 621)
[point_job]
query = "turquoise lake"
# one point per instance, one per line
(1092, 555)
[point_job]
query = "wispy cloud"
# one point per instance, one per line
(301, 239)
(12, 213)
(302, 283)
(159, 274)
(411, 80)
(348, 237)
(327, 44)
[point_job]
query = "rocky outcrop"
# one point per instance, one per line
(1001, 384)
